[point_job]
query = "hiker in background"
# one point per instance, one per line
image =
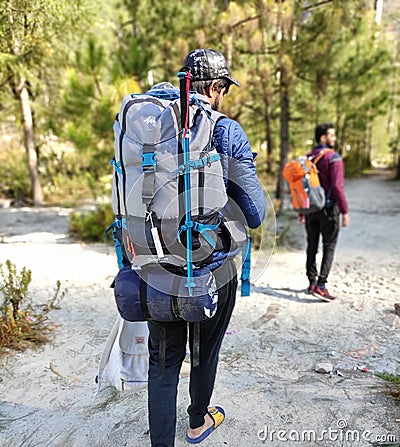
(326, 222)
(211, 78)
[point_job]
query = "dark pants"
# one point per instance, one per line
(163, 381)
(327, 224)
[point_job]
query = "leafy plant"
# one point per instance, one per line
(14, 288)
(20, 324)
(57, 297)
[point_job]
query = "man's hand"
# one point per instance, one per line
(345, 220)
(301, 218)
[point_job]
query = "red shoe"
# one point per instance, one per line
(311, 289)
(322, 293)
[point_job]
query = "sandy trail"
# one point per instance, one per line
(266, 382)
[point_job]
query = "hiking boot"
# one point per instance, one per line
(322, 293)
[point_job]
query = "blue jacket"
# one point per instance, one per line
(239, 171)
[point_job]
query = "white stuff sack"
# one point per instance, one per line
(124, 362)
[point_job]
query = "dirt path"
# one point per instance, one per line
(267, 380)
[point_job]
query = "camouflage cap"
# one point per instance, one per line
(206, 64)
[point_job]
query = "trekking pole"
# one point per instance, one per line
(184, 85)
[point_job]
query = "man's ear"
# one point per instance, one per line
(211, 89)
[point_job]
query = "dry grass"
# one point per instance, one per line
(26, 331)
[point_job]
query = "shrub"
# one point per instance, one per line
(20, 324)
(14, 180)
(90, 226)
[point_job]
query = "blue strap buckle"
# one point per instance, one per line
(116, 165)
(200, 228)
(196, 164)
(149, 162)
(118, 223)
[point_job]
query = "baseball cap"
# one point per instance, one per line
(206, 64)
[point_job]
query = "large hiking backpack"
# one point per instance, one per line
(308, 196)
(167, 199)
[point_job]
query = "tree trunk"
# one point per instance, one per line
(368, 145)
(284, 116)
(343, 136)
(378, 6)
(29, 143)
(229, 47)
(359, 139)
(338, 113)
(396, 154)
(398, 166)
(268, 137)
(284, 134)
(26, 116)
(268, 126)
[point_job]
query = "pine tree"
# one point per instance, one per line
(34, 38)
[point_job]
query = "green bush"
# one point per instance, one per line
(14, 179)
(89, 226)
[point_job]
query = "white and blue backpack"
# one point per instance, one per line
(168, 193)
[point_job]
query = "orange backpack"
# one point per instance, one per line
(307, 193)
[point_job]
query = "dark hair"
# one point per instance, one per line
(322, 129)
(203, 87)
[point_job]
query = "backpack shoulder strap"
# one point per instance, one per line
(321, 154)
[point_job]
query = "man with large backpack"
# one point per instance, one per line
(325, 222)
(210, 78)
(185, 188)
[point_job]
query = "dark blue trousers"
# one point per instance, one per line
(164, 378)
